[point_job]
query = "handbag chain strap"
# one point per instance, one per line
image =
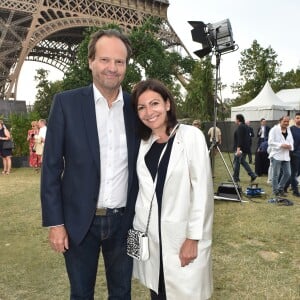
(155, 179)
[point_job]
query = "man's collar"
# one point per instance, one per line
(98, 96)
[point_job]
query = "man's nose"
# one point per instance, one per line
(112, 66)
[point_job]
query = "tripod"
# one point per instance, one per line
(214, 144)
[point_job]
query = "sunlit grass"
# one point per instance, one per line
(255, 250)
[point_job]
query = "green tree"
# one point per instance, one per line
(199, 102)
(18, 124)
(45, 92)
(256, 66)
(288, 80)
(150, 58)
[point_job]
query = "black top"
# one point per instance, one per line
(151, 160)
(242, 138)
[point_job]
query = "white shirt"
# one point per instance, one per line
(217, 134)
(263, 129)
(113, 151)
(42, 132)
(276, 139)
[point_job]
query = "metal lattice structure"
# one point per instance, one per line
(50, 31)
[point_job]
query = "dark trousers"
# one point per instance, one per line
(295, 172)
(82, 261)
(161, 287)
(237, 162)
(250, 154)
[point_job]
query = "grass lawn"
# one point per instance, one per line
(255, 251)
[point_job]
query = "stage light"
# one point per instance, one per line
(217, 36)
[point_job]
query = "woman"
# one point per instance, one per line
(34, 159)
(180, 228)
(5, 153)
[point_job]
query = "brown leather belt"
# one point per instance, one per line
(109, 211)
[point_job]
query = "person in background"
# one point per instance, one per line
(215, 132)
(42, 125)
(197, 123)
(180, 228)
(280, 143)
(262, 162)
(39, 140)
(5, 153)
(295, 155)
(241, 149)
(262, 132)
(34, 160)
(88, 182)
(251, 134)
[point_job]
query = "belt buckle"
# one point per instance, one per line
(101, 212)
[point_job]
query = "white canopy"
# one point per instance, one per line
(265, 105)
(290, 97)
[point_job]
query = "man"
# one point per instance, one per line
(42, 129)
(215, 138)
(280, 142)
(295, 155)
(262, 132)
(197, 123)
(88, 185)
(241, 148)
(215, 132)
(251, 134)
(40, 139)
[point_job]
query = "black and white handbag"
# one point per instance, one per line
(137, 244)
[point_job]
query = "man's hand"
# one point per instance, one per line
(58, 239)
(286, 146)
(188, 252)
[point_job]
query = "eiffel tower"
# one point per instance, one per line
(50, 31)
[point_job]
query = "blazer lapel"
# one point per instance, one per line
(89, 114)
(176, 153)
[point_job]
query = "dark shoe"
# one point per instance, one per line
(282, 194)
(296, 194)
(253, 178)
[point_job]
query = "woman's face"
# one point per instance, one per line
(152, 110)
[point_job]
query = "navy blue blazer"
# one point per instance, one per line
(70, 176)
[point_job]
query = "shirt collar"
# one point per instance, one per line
(99, 97)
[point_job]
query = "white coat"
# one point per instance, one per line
(187, 212)
(275, 140)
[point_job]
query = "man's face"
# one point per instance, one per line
(297, 120)
(284, 123)
(109, 66)
(263, 123)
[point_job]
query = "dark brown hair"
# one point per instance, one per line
(109, 33)
(157, 86)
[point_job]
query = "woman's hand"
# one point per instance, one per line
(188, 252)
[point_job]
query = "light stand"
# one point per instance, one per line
(217, 36)
(214, 144)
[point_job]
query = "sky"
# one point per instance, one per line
(272, 23)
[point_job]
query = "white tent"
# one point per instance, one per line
(290, 97)
(265, 105)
